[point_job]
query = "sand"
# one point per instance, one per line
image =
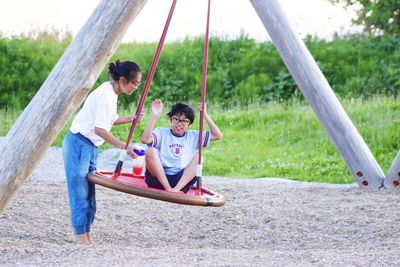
(265, 222)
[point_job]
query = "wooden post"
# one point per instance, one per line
(392, 179)
(319, 94)
(62, 92)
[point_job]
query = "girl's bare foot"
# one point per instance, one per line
(82, 239)
(89, 238)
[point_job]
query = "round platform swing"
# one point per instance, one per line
(135, 184)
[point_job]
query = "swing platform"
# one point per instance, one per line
(135, 185)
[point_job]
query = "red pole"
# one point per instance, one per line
(203, 97)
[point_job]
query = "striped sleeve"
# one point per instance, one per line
(155, 140)
(206, 140)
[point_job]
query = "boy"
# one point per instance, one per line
(171, 159)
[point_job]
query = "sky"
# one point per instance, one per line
(229, 18)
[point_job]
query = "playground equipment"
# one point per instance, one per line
(135, 184)
(79, 67)
(319, 94)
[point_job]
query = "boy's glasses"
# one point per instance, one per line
(178, 121)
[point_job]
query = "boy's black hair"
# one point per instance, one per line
(182, 109)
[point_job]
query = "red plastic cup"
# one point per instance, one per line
(137, 170)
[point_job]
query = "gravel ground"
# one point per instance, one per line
(265, 222)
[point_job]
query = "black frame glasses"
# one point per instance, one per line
(178, 121)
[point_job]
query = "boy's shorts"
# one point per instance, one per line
(173, 180)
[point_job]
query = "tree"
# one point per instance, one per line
(377, 16)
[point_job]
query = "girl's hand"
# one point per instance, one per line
(139, 118)
(131, 153)
(157, 108)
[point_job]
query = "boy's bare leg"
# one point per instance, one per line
(82, 239)
(188, 174)
(153, 165)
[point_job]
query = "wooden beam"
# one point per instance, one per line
(62, 92)
(319, 94)
(392, 179)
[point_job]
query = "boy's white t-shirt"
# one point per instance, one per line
(99, 110)
(176, 152)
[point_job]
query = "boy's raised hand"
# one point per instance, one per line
(157, 108)
(205, 107)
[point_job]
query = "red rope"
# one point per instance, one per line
(151, 74)
(203, 88)
(146, 88)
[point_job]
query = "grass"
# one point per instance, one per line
(281, 139)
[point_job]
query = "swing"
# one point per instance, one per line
(134, 184)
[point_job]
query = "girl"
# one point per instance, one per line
(91, 128)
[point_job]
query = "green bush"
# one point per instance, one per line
(24, 65)
(239, 70)
(360, 67)
(279, 139)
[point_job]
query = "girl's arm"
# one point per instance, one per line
(111, 139)
(127, 119)
(124, 119)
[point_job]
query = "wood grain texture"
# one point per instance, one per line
(62, 92)
(392, 179)
(319, 94)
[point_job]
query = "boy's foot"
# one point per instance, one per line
(82, 240)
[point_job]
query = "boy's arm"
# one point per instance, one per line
(147, 133)
(156, 111)
(216, 134)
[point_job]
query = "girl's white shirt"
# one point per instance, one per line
(99, 110)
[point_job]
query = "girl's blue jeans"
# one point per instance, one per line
(80, 156)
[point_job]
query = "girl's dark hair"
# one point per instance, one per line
(127, 69)
(182, 109)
